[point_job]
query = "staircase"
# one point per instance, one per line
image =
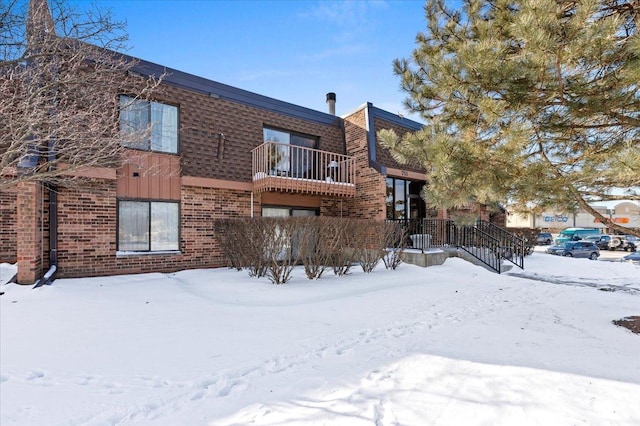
(487, 243)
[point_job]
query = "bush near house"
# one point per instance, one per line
(530, 237)
(271, 247)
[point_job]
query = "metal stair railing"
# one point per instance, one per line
(428, 233)
(481, 245)
(512, 247)
(485, 241)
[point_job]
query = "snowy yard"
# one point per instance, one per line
(447, 345)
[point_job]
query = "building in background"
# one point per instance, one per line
(623, 212)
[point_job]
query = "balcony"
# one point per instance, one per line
(290, 168)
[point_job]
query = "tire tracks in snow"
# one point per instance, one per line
(623, 287)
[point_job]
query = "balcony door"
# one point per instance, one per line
(291, 156)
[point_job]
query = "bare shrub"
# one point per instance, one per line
(278, 249)
(271, 247)
(339, 239)
(310, 252)
(243, 242)
(395, 237)
(370, 244)
(228, 237)
(530, 237)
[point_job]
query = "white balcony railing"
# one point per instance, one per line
(290, 168)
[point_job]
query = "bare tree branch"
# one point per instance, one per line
(59, 93)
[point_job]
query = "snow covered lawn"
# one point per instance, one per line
(447, 345)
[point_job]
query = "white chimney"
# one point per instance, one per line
(331, 100)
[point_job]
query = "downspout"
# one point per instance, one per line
(53, 219)
(49, 276)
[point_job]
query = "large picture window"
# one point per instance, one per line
(147, 226)
(150, 126)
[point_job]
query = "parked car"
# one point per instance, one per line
(602, 241)
(625, 242)
(576, 234)
(585, 249)
(544, 238)
(632, 258)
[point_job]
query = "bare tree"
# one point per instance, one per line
(60, 75)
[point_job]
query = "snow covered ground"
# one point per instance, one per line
(446, 345)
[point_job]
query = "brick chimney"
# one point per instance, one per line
(40, 21)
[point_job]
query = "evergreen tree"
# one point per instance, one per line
(534, 103)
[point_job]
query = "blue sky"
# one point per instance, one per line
(295, 51)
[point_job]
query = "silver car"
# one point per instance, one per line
(585, 249)
(632, 258)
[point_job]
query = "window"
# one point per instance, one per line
(403, 199)
(287, 211)
(148, 226)
(288, 157)
(150, 126)
(294, 243)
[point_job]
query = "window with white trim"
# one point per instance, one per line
(148, 125)
(148, 226)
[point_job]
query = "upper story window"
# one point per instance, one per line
(148, 125)
(289, 156)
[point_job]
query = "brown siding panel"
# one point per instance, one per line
(158, 177)
(292, 200)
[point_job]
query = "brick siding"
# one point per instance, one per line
(203, 118)
(370, 199)
(87, 231)
(383, 156)
(29, 242)
(8, 224)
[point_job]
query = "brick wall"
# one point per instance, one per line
(87, 231)
(203, 118)
(383, 156)
(8, 233)
(369, 202)
(29, 244)
(200, 208)
(87, 213)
